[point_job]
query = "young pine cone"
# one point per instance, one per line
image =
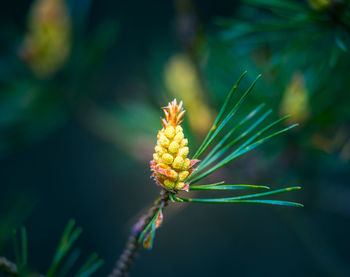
(170, 165)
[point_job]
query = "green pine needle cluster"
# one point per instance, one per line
(231, 145)
(65, 257)
(293, 30)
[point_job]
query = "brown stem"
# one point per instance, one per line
(8, 267)
(124, 262)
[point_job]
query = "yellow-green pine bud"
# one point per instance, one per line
(180, 185)
(179, 137)
(163, 141)
(173, 147)
(170, 132)
(169, 184)
(160, 150)
(184, 142)
(186, 164)
(156, 158)
(183, 152)
(178, 162)
(183, 175)
(167, 158)
(178, 129)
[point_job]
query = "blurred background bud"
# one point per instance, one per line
(47, 45)
(335, 141)
(182, 81)
(319, 5)
(295, 99)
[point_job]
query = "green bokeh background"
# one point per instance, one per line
(77, 144)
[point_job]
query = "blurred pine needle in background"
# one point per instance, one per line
(64, 259)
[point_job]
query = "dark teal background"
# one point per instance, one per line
(54, 166)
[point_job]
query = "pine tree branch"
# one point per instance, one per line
(8, 267)
(122, 266)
